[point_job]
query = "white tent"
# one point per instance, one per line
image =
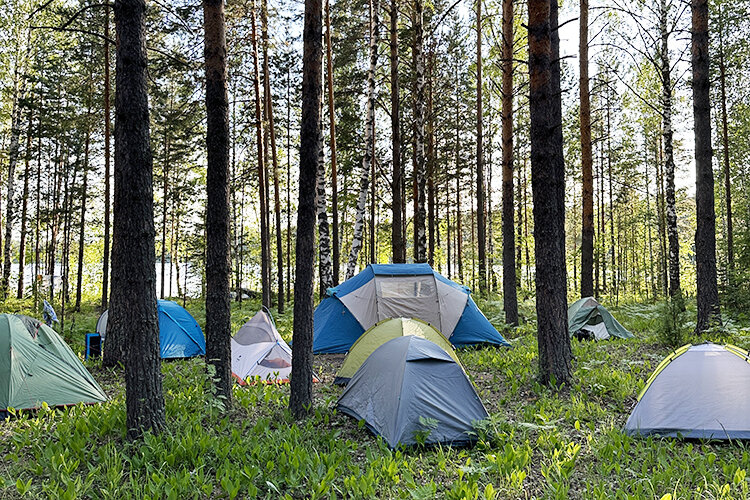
(259, 350)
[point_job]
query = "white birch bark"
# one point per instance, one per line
(359, 218)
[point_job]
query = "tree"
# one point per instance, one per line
(420, 178)
(510, 298)
(300, 399)
(132, 312)
(218, 266)
(705, 234)
(481, 221)
(105, 257)
(332, 139)
(369, 141)
(587, 161)
(548, 186)
(398, 243)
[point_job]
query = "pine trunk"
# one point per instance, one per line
(107, 217)
(82, 227)
(369, 142)
(548, 185)
(587, 232)
(705, 234)
(420, 213)
(132, 312)
(725, 147)
(481, 221)
(510, 297)
(300, 399)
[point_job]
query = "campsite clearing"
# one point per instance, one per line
(543, 444)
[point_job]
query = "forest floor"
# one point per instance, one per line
(538, 443)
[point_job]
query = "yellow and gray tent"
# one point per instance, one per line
(37, 366)
(382, 332)
(697, 392)
(593, 320)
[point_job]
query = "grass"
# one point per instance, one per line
(537, 444)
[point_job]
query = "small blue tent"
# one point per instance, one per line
(384, 291)
(180, 336)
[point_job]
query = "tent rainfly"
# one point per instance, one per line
(259, 351)
(37, 366)
(384, 291)
(410, 386)
(180, 336)
(697, 392)
(381, 333)
(593, 320)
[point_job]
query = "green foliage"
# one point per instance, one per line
(538, 443)
(673, 331)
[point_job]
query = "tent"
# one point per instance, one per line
(382, 332)
(409, 386)
(383, 291)
(36, 366)
(259, 350)
(179, 333)
(697, 392)
(594, 320)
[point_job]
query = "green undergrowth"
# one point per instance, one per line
(538, 443)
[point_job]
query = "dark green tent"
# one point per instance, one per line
(37, 366)
(594, 320)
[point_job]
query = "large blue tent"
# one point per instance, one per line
(384, 291)
(180, 336)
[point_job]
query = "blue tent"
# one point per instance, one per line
(384, 291)
(180, 336)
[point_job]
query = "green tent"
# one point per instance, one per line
(593, 320)
(382, 332)
(36, 366)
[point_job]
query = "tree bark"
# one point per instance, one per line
(165, 194)
(263, 208)
(398, 245)
(300, 400)
(325, 272)
(24, 211)
(369, 142)
(705, 234)
(725, 147)
(587, 231)
(548, 185)
(84, 200)
(105, 257)
(334, 167)
(481, 221)
(510, 297)
(669, 166)
(218, 259)
(132, 312)
(420, 214)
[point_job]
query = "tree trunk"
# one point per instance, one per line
(369, 142)
(398, 245)
(510, 297)
(587, 232)
(669, 166)
(105, 257)
(24, 212)
(705, 234)
(82, 227)
(300, 399)
(218, 259)
(132, 312)
(548, 185)
(481, 222)
(420, 214)
(165, 194)
(431, 162)
(263, 208)
(725, 147)
(325, 272)
(334, 167)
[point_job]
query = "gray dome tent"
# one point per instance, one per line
(588, 316)
(698, 392)
(408, 378)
